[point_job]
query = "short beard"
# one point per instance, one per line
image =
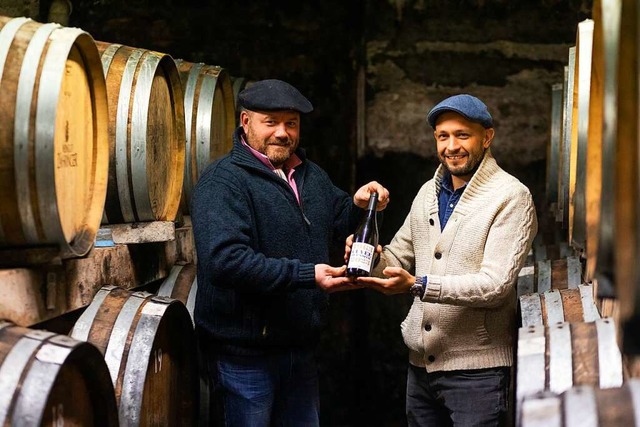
(470, 168)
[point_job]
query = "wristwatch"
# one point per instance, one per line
(419, 287)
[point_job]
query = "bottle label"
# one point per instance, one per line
(361, 256)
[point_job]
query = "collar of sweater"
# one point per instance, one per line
(475, 187)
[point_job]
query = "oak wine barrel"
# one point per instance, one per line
(52, 380)
(553, 146)
(579, 131)
(559, 356)
(182, 285)
(146, 135)
(558, 306)
(626, 180)
(53, 136)
(584, 406)
(564, 177)
(545, 275)
(149, 347)
(209, 119)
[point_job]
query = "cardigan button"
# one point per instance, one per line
(431, 221)
(431, 358)
(438, 255)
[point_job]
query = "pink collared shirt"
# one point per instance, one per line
(289, 165)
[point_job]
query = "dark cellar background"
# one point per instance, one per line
(404, 56)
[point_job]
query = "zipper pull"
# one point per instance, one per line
(306, 219)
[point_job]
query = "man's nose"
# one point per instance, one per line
(281, 131)
(452, 144)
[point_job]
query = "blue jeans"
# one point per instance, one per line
(278, 389)
(457, 398)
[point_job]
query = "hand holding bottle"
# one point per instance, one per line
(331, 279)
(362, 196)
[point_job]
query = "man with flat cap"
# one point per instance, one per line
(458, 253)
(264, 219)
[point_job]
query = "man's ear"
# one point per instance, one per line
(488, 137)
(244, 119)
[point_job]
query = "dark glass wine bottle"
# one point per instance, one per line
(365, 242)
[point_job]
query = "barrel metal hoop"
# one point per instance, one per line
(531, 310)
(137, 364)
(122, 137)
(189, 98)
(609, 357)
(191, 300)
(580, 407)
(574, 272)
(589, 309)
(24, 100)
(53, 69)
(634, 389)
(166, 289)
(566, 129)
(83, 325)
(7, 34)
(30, 405)
(553, 304)
(139, 130)
(203, 123)
(531, 361)
(560, 358)
(526, 280)
(11, 371)
(118, 338)
(544, 410)
(107, 57)
(544, 276)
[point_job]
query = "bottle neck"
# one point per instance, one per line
(373, 203)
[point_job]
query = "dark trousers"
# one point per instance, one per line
(457, 398)
(278, 389)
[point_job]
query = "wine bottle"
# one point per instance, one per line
(365, 242)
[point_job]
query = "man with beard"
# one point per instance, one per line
(264, 219)
(465, 239)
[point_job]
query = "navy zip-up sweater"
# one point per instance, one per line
(257, 249)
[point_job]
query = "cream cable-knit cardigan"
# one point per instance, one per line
(466, 319)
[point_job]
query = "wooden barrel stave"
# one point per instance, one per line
(560, 356)
(53, 133)
(50, 379)
(149, 346)
(551, 307)
(565, 273)
(583, 406)
(146, 133)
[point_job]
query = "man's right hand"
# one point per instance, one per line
(333, 279)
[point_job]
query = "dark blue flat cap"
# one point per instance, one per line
(273, 95)
(466, 105)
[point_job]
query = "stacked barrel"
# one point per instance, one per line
(97, 137)
(577, 347)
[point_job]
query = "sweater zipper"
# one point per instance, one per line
(304, 217)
